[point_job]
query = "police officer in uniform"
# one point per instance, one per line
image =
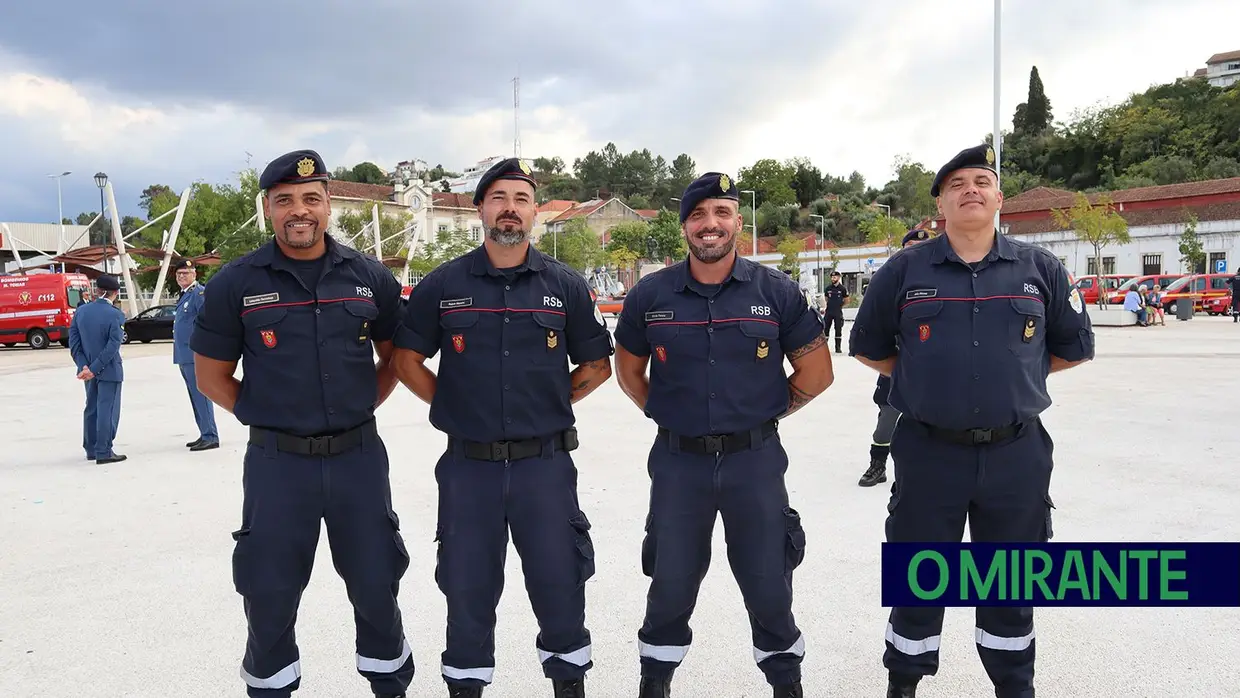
(836, 296)
(968, 326)
(719, 327)
(305, 315)
(188, 307)
(95, 337)
(506, 321)
(880, 445)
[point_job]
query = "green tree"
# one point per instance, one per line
(1033, 116)
(669, 240)
(349, 225)
(790, 249)
(577, 245)
(363, 172)
(1098, 225)
(884, 230)
(771, 180)
(633, 236)
(1192, 255)
(447, 246)
(807, 181)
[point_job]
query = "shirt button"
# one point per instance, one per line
(712, 362)
(508, 421)
(710, 329)
(318, 311)
(977, 309)
(506, 351)
(507, 319)
(974, 344)
(507, 288)
(325, 376)
(712, 300)
(331, 410)
(975, 275)
(976, 377)
(712, 396)
(507, 387)
(976, 410)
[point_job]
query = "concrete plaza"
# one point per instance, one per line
(115, 580)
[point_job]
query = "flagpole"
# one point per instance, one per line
(998, 129)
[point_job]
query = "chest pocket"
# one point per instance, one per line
(662, 339)
(264, 328)
(458, 327)
(918, 324)
(552, 348)
(761, 341)
(1027, 327)
(360, 323)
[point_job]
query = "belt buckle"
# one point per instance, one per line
(500, 450)
(319, 445)
(714, 443)
(983, 436)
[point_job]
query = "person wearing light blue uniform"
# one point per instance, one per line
(95, 338)
(188, 306)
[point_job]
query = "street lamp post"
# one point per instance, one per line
(753, 197)
(822, 236)
(60, 211)
(101, 181)
(888, 211)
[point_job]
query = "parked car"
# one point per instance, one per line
(1089, 286)
(1198, 287)
(150, 324)
(1150, 281)
(1218, 305)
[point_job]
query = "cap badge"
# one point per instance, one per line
(724, 182)
(305, 167)
(990, 156)
(524, 167)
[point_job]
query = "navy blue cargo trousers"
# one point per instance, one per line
(1003, 489)
(765, 542)
(480, 501)
(286, 497)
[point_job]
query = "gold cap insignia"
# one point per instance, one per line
(724, 182)
(990, 156)
(305, 167)
(524, 167)
(763, 349)
(553, 340)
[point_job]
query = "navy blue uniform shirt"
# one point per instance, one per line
(717, 352)
(836, 295)
(974, 342)
(506, 337)
(186, 313)
(305, 348)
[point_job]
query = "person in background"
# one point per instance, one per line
(1153, 303)
(95, 337)
(1134, 301)
(188, 306)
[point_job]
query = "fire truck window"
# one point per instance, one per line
(75, 296)
(1218, 283)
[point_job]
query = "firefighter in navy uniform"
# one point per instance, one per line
(1234, 282)
(836, 296)
(719, 327)
(968, 325)
(506, 320)
(880, 444)
(305, 315)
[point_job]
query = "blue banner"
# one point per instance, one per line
(1061, 574)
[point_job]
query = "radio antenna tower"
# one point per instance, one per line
(516, 116)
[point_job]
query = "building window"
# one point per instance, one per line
(1215, 267)
(475, 233)
(443, 228)
(1151, 264)
(415, 278)
(1004, 228)
(1108, 266)
(1063, 261)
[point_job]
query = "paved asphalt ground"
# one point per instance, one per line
(115, 580)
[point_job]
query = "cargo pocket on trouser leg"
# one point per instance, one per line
(650, 548)
(241, 561)
(585, 546)
(401, 564)
(1050, 530)
(439, 558)
(794, 549)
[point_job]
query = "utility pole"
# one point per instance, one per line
(516, 116)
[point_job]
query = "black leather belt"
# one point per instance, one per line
(515, 450)
(973, 437)
(713, 444)
(326, 445)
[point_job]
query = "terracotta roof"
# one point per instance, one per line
(1038, 193)
(452, 200)
(357, 190)
(556, 205)
(580, 210)
(1200, 72)
(1223, 57)
(647, 212)
(1210, 187)
(1150, 216)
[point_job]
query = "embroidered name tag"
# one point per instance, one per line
(656, 315)
(456, 303)
(260, 300)
(921, 293)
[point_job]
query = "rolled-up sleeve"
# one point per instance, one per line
(387, 300)
(1069, 331)
(631, 327)
(798, 325)
(588, 339)
(419, 327)
(875, 332)
(218, 331)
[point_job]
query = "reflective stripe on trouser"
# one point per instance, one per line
(765, 543)
(286, 497)
(479, 503)
(1002, 491)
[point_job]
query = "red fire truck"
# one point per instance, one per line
(37, 308)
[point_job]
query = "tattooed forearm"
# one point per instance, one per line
(819, 341)
(588, 376)
(797, 399)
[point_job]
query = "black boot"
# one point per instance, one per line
(655, 688)
(901, 686)
(570, 688)
(464, 691)
(789, 690)
(876, 473)
(838, 341)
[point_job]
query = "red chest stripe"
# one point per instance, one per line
(503, 310)
(717, 321)
(297, 303)
(971, 300)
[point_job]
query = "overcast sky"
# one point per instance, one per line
(175, 92)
